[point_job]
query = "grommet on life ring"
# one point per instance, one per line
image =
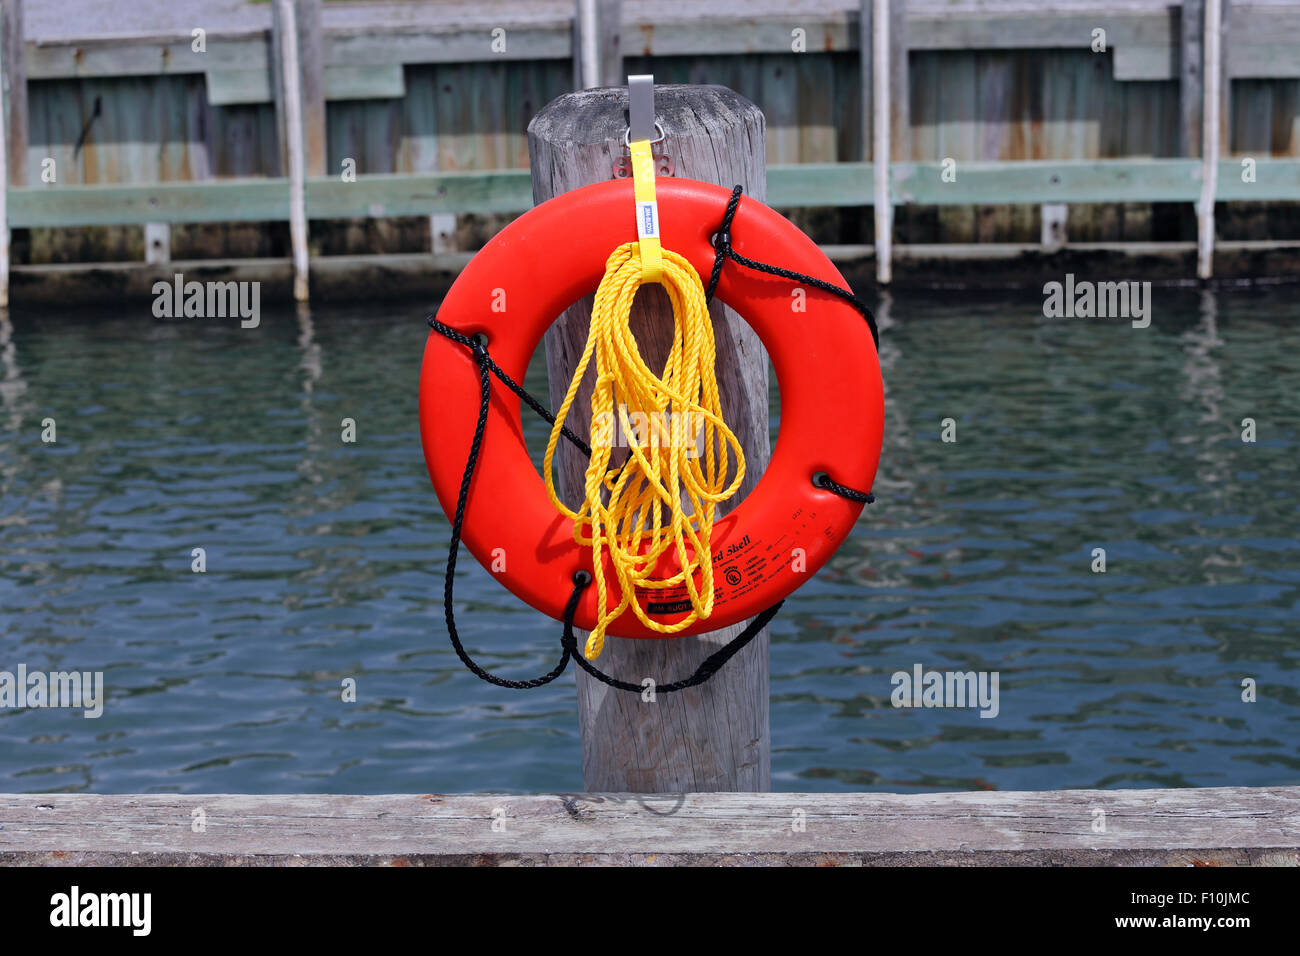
(832, 402)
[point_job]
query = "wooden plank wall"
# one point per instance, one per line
(965, 104)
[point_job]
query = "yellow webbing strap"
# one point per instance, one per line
(679, 445)
(647, 210)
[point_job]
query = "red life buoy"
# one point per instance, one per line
(832, 401)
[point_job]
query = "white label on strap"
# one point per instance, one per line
(647, 219)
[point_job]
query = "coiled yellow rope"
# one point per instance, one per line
(624, 510)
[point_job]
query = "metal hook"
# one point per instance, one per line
(627, 136)
(641, 108)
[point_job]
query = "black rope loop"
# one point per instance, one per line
(824, 481)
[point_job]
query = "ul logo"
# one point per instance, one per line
(733, 576)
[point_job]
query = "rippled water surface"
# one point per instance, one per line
(324, 561)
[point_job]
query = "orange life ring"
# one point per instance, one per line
(832, 402)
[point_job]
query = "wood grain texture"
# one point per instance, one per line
(713, 737)
(15, 89)
(1191, 56)
(311, 66)
(1141, 827)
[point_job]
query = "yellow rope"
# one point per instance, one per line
(679, 445)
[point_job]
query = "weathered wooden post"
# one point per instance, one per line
(12, 77)
(1191, 93)
(713, 737)
(881, 129)
(289, 97)
(1212, 75)
(597, 43)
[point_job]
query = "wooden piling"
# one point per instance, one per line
(597, 43)
(10, 18)
(712, 737)
(311, 72)
(1212, 76)
(865, 73)
(15, 90)
(1191, 87)
(880, 150)
(285, 36)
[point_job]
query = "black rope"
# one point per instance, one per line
(708, 667)
(510, 383)
(823, 480)
(581, 579)
(457, 523)
(568, 640)
(722, 245)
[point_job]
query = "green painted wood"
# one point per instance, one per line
(451, 45)
(1142, 181)
(228, 87)
(411, 195)
(218, 201)
(143, 56)
(149, 129)
(352, 82)
(509, 191)
(364, 81)
(1280, 58)
(1137, 63)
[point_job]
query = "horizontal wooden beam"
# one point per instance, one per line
(358, 82)
(506, 191)
(1231, 825)
(1084, 181)
(264, 200)
(225, 200)
(144, 56)
(1032, 182)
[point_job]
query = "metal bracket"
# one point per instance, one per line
(623, 166)
(641, 106)
(642, 125)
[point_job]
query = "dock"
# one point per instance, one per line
(1226, 826)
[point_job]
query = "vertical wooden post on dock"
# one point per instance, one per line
(15, 90)
(311, 73)
(865, 68)
(881, 148)
(713, 737)
(1212, 75)
(1191, 88)
(597, 43)
(286, 42)
(11, 79)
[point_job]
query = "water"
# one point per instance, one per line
(324, 562)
